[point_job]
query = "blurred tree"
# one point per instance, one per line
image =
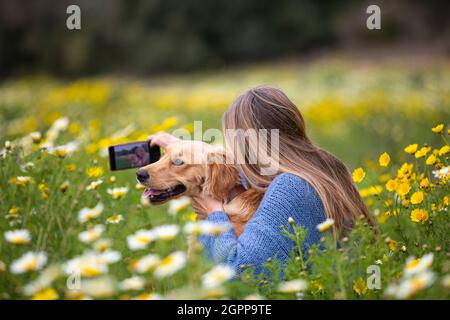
(170, 35)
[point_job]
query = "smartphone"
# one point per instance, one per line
(132, 155)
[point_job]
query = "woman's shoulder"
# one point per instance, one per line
(292, 184)
(290, 179)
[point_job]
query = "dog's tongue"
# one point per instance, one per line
(151, 192)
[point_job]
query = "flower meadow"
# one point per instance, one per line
(72, 229)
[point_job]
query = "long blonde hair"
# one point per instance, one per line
(266, 107)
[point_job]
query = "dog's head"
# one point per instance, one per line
(187, 168)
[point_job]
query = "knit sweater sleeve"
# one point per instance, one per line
(287, 196)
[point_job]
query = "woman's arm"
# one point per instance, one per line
(287, 196)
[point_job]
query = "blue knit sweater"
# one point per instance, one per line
(287, 196)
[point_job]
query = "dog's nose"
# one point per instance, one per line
(142, 175)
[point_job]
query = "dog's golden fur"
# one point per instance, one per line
(209, 174)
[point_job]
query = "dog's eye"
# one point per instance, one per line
(177, 162)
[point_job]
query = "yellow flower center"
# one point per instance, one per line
(167, 261)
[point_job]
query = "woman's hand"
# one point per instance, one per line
(204, 205)
(162, 139)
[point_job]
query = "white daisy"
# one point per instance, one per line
(327, 224)
(87, 214)
(19, 236)
(91, 234)
(60, 124)
(118, 193)
(446, 281)
(36, 136)
(94, 184)
(102, 287)
(109, 256)
(206, 228)
(64, 150)
(30, 261)
(170, 264)
(146, 263)
(91, 264)
(115, 219)
(442, 173)
(166, 232)
(292, 286)
(141, 239)
(218, 275)
(85, 266)
(102, 245)
(419, 265)
(176, 205)
(412, 285)
(133, 283)
(44, 280)
(147, 296)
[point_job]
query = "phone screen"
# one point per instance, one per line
(132, 155)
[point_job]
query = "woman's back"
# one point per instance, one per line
(287, 196)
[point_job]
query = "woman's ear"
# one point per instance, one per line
(220, 177)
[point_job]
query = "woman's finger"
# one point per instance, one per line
(161, 139)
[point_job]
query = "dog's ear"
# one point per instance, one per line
(220, 177)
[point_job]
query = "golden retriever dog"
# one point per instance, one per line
(188, 168)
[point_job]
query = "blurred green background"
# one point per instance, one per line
(159, 36)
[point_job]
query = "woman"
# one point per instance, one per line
(310, 186)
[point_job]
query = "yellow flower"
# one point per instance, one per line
(419, 215)
(412, 148)
(405, 171)
(424, 183)
(422, 152)
(438, 128)
(403, 189)
(384, 159)
(94, 172)
(384, 177)
(371, 191)
(358, 175)
(431, 160)
(14, 210)
(46, 294)
(44, 190)
(60, 152)
(445, 201)
(21, 180)
(444, 150)
(359, 286)
(391, 185)
(392, 245)
(417, 197)
(70, 167)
